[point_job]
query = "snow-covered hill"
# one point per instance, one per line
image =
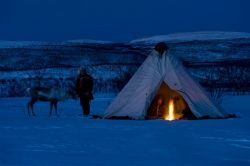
(192, 36)
(204, 46)
(30, 63)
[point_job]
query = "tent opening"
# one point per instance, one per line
(168, 104)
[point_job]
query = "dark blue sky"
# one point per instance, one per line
(118, 20)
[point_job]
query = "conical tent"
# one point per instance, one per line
(134, 100)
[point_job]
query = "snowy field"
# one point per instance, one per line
(73, 140)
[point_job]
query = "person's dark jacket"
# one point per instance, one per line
(84, 86)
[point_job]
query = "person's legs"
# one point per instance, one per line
(85, 106)
(82, 104)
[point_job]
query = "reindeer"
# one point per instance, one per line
(52, 95)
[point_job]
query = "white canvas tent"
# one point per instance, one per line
(135, 98)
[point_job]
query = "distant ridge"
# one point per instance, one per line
(190, 36)
(175, 37)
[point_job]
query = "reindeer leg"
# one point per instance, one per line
(32, 108)
(51, 108)
(29, 108)
(55, 104)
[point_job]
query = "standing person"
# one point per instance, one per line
(84, 87)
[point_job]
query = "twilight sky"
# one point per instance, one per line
(118, 20)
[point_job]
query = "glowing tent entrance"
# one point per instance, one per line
(168, 104)
(162, 76)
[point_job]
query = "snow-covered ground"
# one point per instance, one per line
(73, 140)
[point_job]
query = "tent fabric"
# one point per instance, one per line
(135, 98)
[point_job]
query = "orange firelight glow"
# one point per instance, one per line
(170, 115)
